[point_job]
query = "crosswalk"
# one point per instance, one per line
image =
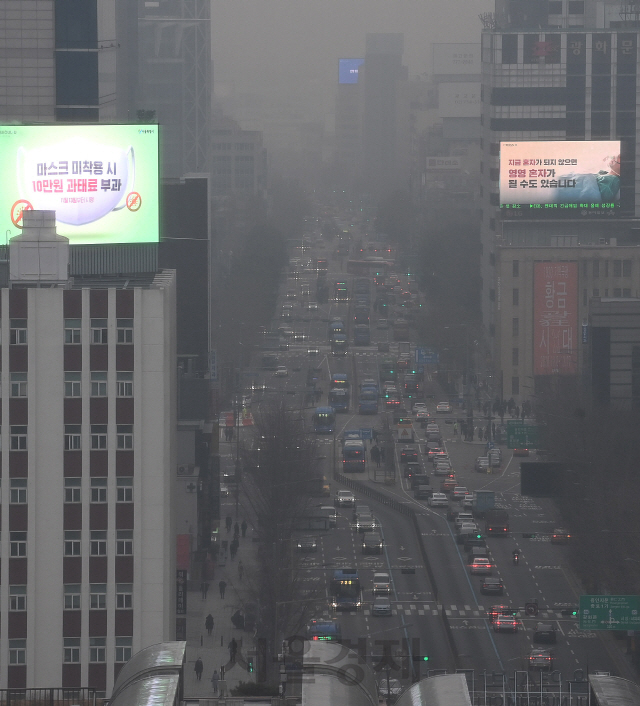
(452, 611)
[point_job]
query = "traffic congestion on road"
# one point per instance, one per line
(431, 560)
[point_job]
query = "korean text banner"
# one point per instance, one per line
(555, 314)
(559, 178)
(101, 180)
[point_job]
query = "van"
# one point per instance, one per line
(330, 512)
(381, 583)
(545, 632)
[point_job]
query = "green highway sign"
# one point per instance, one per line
(609, 612)
(521, 435)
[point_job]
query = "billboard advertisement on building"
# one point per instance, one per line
(560, 179)
(555, 318)
(348, 70)
(457, 59)
(459, 100)
(101, 180)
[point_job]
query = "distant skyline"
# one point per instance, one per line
(290, 48)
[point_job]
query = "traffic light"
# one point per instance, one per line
(569, 613)
(529, 535)
(531, 609)
(420, 658)
(250, 665)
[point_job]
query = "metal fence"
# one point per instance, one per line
(57, 696)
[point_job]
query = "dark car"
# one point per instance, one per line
(408, 454)
(492, 586)
(412, 468)
(308, 544)
(419, 479)
(372, 543)
(545, 632)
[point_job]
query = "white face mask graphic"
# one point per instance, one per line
(81, 180)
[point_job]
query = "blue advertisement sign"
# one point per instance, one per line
(426, 356)
(348, 70)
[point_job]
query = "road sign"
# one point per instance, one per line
(609, 612)
(426, 356)
(521, 435)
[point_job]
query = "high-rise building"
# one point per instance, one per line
(89, 409)
(563, 75)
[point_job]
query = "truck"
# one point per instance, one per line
(483, 501)
(496, 522)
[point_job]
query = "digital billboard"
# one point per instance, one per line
(456, 59)
(348, 70)
(555, 318)
(101, 180)
(559, 178)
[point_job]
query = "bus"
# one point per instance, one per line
(340, 380)
(361, 335)
(353, 456)
(336, 326)
(340, 292)
(368, 402)
(339, 399)
(345, 589)
(324, 420)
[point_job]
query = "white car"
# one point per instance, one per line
(311, 306)
(419, 407)
(443, 408)
(438, 500)
(281, 371)
(345, 498)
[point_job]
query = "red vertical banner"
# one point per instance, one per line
(555, 318)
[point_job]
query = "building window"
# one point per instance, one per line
(124, 596)
(72, 488)
(72, 331)
(596, 292)
(606, 268)
(617, 268)
(98, 596)
(72, 385)
(515, 385)
(124, 384)
(18, 438)
(72, 596)
(98, 331)
(18, 384)
(515, 355)
(596, 268)
(71, 650)
(626, 268)
(17, 544)
(17, 598)
(515, 265)
(72, 437)
(125, 490)
(617, 292)
(585, 268)
(626, 293)
(124, 437)
(123, 649)
(98, 436)
(18, 332)
(18, 491)
(515, 327)
(17, 651)
(516, 297)
(98, 543)
(72, 543)
(98, 384)
(125, 330)
(98, 490)
(97, 649)
(124, 542)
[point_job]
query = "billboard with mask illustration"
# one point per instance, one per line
(101, 180)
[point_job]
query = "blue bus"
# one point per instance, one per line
(353, 456)
(339, 399)
(346, 592)
(368, 402)
(324, 420)
(339, 344)
(340, 380)
(361, 335)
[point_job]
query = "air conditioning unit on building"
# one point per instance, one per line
(186, 470)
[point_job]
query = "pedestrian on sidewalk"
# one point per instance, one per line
(233, 649)
(208, 623)
(233, 547)
(223, 587)
(214, 681)
(236, 531)
(204, 588)
(243, 527)
(228, 522)
(198, 669)
(455, 428)
(375, 455)
(240, 570)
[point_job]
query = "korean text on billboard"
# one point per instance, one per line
(555, 312)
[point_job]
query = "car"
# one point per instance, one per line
(419, 407)
(390, 689)
(381, 606)
(381, 583)
(392, 402)
(540, 659)
(345, 498)
(482, 464)
(360, 510)
(422, 416)
(412, 468)
(500, 609)
(448, 484)
(442, 468)
(329, 512)
(466, 531)
(408, 454)
(545, 632)
(492, 586)
(505, 623)
(285, 331)
(432, 428)
(438, 500)
(313, 351)
(366, 523)
(308, 544)
(224, 490)
(467, 501)
(286, 314)
(382, 324)
(462, 518)
(372, 543)
(281, 371)
(287, 306)
(560, 536)
(459, 492)
(291, 294)
(300, 337)
(521, 452)
(443, 408)
(311, 306)
(389, 389)
(433, 451)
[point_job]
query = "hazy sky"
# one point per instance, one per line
(291, 47)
